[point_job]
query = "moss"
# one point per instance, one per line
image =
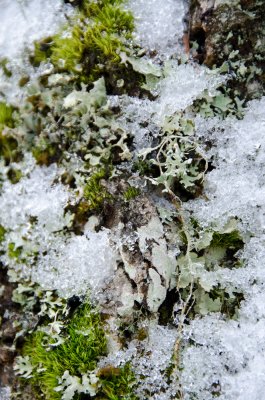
(95, 42)
(23, 81)
(117, 382)
(85, 342)
(42, 51)
(8, 148)
(13, 251)
(94, 192)
(14, 175)
(230, 240)
(6, 70)
(46, 153)
(2, 233)
(131, 193)
(144, 167)
(90, 48)
(6, 118)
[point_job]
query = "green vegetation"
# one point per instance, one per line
(47, 364)
(91, 47)
(94, 192)
(6, 118)
(8, 143)
(231, 240)
(2, 233)
(42, 51)
(131, 193)
(3, 65)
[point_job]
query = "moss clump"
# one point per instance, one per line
(131, 193)
(14, 252)
(14, 175)
(94, 192)
(42, 51)
(116, 383)
(2, 233)
(91, 47)
(231, 240)
(4, 66)
(96, 37)
(6, 118)
(84, 343)
(45, 154)
(8, 144)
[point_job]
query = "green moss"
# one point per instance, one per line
(131, 193)
(23, 80)
(13, 251)
(2, 233)
(42, 51)
(91, 47)
(231, 240)
(117, 382)
(94, 192)
(144, 167)
(46, 153)
(6, 70)
(6, 118)
(14, 175)
(84, 343)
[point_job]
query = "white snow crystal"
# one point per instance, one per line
(159, 25)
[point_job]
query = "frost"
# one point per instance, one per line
(75, 265)
(236, 187)
(34, 195)
(23, 21)
(33, 213)
(150, 360)
(181, 85)
(5, 393)
(158, 28)
(227, 357)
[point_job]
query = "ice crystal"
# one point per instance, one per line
(37, 242)
(159, 28)
(5, 393)
(150, 360)
(22, 22)
(227, 357)
(76, 265)
(236, 186)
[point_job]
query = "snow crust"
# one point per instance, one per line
(33, 212)
(159, 28)
(228, 356)
(23, 21)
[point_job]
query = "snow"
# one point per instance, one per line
(77, 265)
(159, 28)
(33, 212)
(23, 21)
(229, 355)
